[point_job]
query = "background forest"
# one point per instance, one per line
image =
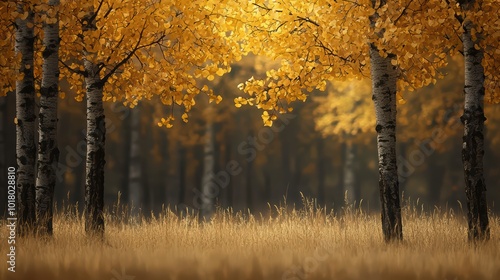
(327, 148)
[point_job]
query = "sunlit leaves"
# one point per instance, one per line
(150, 49)
(9, 61)
(346, 109)
(327, 40)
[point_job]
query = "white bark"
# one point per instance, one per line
(384, 88)
(208, 190)
(25, 130)
(48, 153)
(473, 140)
(96, 133)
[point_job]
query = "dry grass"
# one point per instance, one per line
(304, 244)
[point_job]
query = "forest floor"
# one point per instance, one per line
(300, 244)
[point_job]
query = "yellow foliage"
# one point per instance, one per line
(328, 40)
(149, 49)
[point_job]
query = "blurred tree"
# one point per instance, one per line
(136, 197)
(209, 188)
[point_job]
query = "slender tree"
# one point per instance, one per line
(473, 140)
(140, 53)
(208, 190)
(349, 176)
(384, 97)
(25, 118)
(48, 152)
(135, 186)
(339, 39)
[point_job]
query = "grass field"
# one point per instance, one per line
(302, 244)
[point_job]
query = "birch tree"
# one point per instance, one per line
(137, 49)
(322, 41)
(473, 119)
(208, 190)
(48, 153)
(384, 88)
(25, 117)
(135, 187)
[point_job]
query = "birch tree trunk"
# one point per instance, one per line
(135, 187)
(48, 153)
(473, 140)
(25, 130)
(207, 188)
(384, 88)
(349, 179)
(96, 134)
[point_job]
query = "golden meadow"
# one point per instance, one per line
(283, 243)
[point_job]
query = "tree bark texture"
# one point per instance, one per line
(473, 139)
(384, 88)
(48, 153)
(25, 129)
(95, 161)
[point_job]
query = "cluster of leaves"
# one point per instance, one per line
(324, 40)
(143, 48)
(346, 109)
(147, 48)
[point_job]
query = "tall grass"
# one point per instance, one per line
(305, 243)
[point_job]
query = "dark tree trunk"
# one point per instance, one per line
(135, 187)
(208, 192)
(349, 179)
(226, 199)
(25, 114)
(290, 160)
(8, 132)
(435, 177)
(268, 187)
(126, 128)
(473, 139)
(249, 185)
(321, 171)
(181, 156)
